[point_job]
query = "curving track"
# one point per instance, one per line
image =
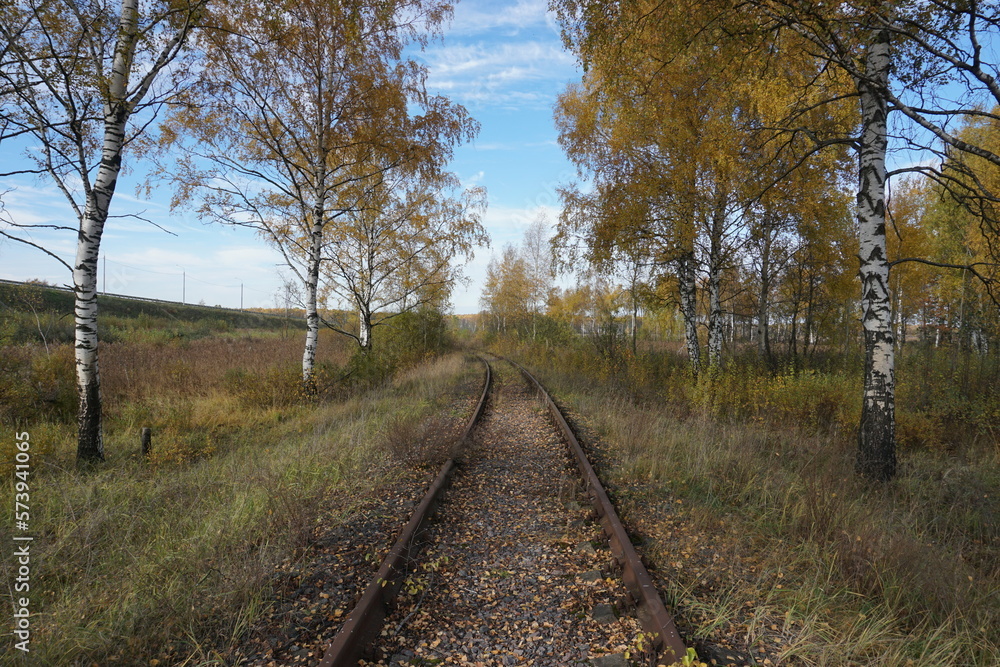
(510, 573)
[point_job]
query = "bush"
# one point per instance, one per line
(412, 336)
(37, 386)
(272, 388)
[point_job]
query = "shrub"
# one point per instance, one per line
(37, 386)
(271, 388)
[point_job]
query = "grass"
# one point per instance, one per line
(169, 557)
(37, 313)
(747, 496)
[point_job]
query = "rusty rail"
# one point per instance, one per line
(366, 619)
(653, 616)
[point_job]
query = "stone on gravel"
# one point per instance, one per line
(613, 660)
(604, 614)
(592, 576)
(586, 548)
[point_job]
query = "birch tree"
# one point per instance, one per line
(927, 62)
(397, 247)
(537, 254)
(81, 81)
(671, 138)
(298, 101)
(507, 292)
(641, 196)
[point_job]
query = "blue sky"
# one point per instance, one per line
(503, 60)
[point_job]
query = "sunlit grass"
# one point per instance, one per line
(905, 574)
(142, 558)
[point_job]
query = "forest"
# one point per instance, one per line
(775, 177)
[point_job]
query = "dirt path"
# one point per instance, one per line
(511, 574)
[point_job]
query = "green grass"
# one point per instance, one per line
(39, 314)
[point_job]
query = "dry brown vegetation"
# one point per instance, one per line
(768, 542)
(170, 556)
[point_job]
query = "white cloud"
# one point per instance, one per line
(512, 74)
(476, 16)
(475, 179)
(535, 59)
(494, 146)
(506, 225)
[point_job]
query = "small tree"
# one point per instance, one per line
(537, 253)
(395, 250)
(507, 294)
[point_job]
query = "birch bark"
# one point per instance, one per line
(686, 277)
(90, 443)
(877, 432)
(763, 299)
(312, 310)
(715, 259)
(364, 330)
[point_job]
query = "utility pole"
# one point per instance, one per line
(241, 297)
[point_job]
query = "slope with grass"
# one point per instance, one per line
(43, 314)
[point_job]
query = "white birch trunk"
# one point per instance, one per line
(312, 311)
(715, 320)
(877, 431)
(90, 442)
(901, 321)
(686, 278)
(763, 300)
(364, 329)
(634, 324)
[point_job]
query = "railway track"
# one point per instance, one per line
(509, 572)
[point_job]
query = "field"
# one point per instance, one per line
(172, 555)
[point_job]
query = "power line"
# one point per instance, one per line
(136, 268)
(187, 275)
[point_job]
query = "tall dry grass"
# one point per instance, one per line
(196, 395)
(902, 574)
(170, 559)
